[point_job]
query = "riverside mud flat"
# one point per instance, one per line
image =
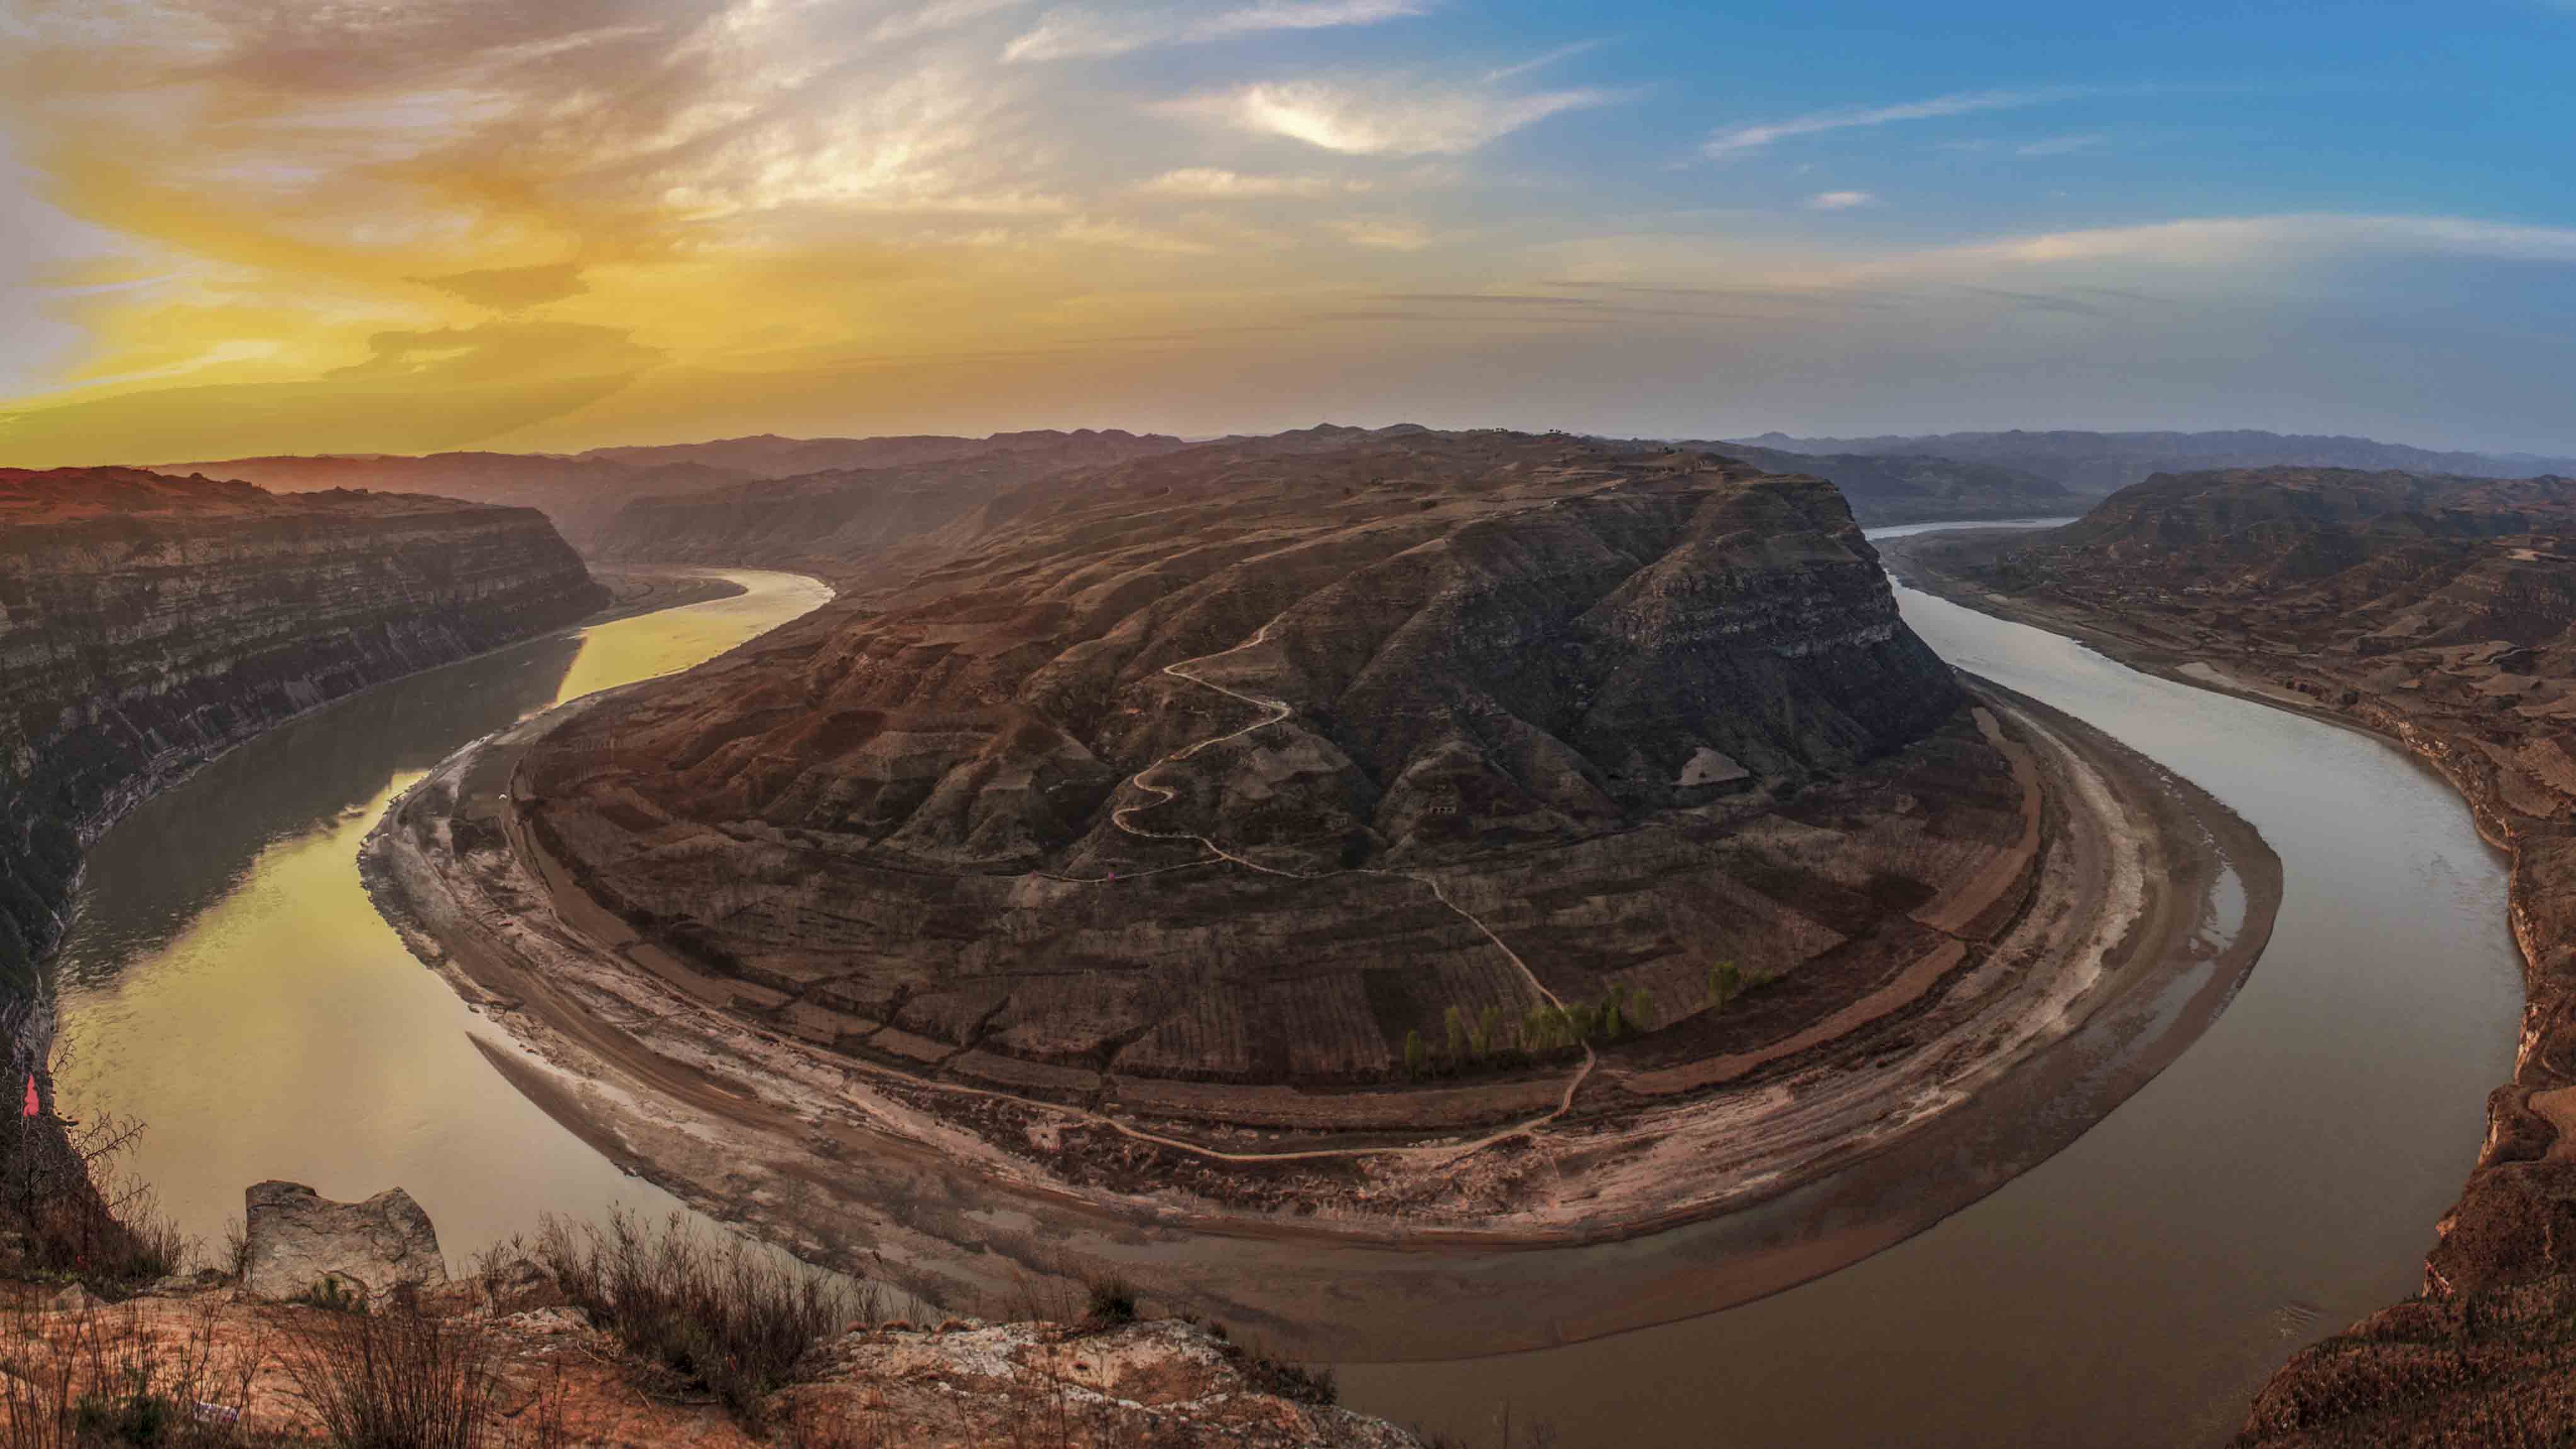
(2067, 982)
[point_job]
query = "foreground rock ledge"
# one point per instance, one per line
(561, 1380)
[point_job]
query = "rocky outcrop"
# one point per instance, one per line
(528, 1366)
(148, 623)
(300, 1244)
(1398, 689)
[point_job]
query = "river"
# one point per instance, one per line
(229, 983)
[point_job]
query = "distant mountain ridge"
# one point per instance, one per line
(2103, 463)
(768, 455)
(1892, 488)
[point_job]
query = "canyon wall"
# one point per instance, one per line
(148, 623)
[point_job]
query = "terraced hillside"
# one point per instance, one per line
(1226, 766)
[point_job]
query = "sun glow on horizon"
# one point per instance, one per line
(304, 228)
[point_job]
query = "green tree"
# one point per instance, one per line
(1416, 1055)
(1725, 982)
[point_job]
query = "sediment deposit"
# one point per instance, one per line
(2441, 613)
(149, 623)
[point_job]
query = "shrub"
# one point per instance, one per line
(399, 1379)
(720, 1319)
(96, 1378)
(1112, 1302)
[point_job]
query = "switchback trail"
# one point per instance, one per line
(1272, 712)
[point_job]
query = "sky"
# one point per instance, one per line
(239, 227)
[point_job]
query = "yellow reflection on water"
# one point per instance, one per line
(230, 985)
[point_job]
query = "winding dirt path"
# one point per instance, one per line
(1272, 712)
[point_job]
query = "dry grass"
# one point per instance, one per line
(95, 1379)
(719, 1318)
(397, 1378)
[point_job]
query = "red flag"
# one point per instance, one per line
(32, 1108)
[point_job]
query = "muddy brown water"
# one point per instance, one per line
(229, 983)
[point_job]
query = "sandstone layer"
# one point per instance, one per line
(149, 623)
(2440, 612)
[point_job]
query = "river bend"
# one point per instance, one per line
(229, 983)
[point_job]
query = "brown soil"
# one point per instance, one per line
(233, 1362)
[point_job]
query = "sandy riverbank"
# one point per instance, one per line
(2142, 905)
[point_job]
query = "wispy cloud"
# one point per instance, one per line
(1385, 234)
(1110, 232)
(1071, 32)
(1215, 183)
(1561, 53)
(938, 16)
(2060, 145)
(1754, 136)
(1839, 200)
(1391, 115)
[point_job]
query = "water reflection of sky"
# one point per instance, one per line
(229, 983)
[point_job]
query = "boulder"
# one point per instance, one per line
(300, 1240)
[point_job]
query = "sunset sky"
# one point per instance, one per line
(252, 226)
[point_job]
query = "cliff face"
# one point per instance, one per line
(148, 623)
(980, 812)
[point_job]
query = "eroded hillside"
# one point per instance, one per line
(1619, 705)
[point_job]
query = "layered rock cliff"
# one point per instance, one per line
(972, 822)
(148, 623)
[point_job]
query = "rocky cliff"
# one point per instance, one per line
(974, 819)
(148, 623)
